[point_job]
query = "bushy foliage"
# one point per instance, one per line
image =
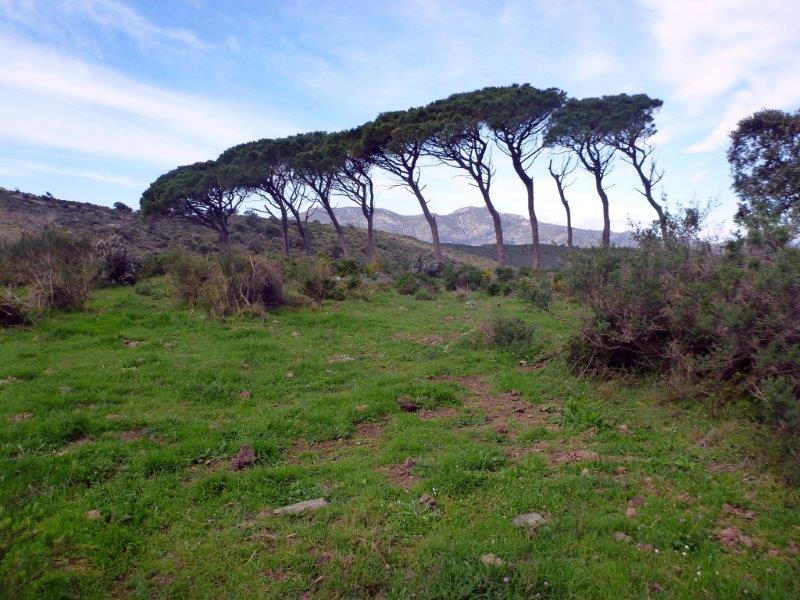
(723, 321)
(407, 283)
(190, 273)
(510, 333)
(154, 264)
(536, 290)
(56, 266)
(118, 263)
(316, 279)
(228, 283)
(13, 311)
(466, 277)
(248, 282)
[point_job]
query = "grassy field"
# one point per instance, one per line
(118, 427)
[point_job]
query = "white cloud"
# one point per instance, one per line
(17, 168)
(56, 101)
(727, 58)
(55, 17)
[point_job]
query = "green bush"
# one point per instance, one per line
(154, 264)
(228, 283)
(536, 290)
(466, 277)
(57, 267)
(190, 273)
(316, 279)
(29, 257)
(711, 320)
(510, 333)
(407, 283)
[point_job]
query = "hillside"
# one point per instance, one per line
(471, 226)
(20, 212)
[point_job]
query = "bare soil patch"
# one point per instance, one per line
(400, 475)
(501, 409)
(364, 436)
(73, 445)
(132, 435)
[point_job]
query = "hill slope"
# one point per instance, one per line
(472, 226)
(20, 212)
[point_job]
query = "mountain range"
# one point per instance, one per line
(470, 226)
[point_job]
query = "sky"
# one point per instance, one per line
(100, 97)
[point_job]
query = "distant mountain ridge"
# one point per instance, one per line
(471, 226)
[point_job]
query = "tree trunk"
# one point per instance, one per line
(527, 181)
(498, 227)
(337, 227)
(224, 237)
(563, 196)
(285, 230)
(648, 193)
(437, 246)
(370, 244)
(598, 181)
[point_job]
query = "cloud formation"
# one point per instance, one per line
(62, 102)
(727, 57)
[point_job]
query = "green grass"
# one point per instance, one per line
(176, 521)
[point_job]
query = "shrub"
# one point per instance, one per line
(723, 321)
(122, 207)
(13, 311)
(190, 273)
(407, 283)
(316, 280)
(228, 283)
(248, 282)
(536, 290)
(118, 263)
(467, 277)
(504, 274)
(346, 267)
(423, 293)
(56, 265)
(63, 286)
(508, 333)
(154, 264)
(22, 260)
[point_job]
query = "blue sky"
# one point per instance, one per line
(99, 97)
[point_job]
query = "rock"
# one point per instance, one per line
(491, 559)
(530, 520)
(585, 472)
(621, 470)
(244, 394)
(636, 502)
(523, 363)
(289, 375)
(621, 536)
(93, 515)
(630, 513)
(244, 458)
(428, 502)
(623, 429)
(19, 417)
(299, 507)
(408, 406)
(644, 547)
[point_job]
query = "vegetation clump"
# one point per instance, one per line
(13, 311)
(118, 263)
